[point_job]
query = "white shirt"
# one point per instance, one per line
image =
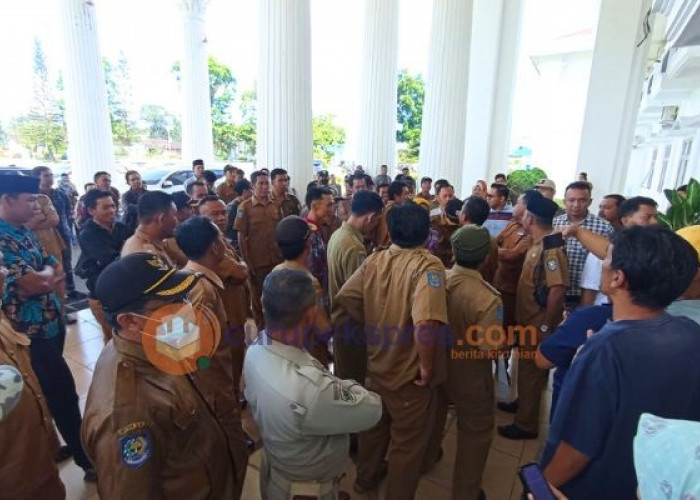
(590, 278)
(305, 414)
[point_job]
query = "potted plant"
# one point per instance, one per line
(683, 210)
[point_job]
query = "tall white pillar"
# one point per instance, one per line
(197, 136)
(90, 147)
(377, 124)
(284, 90)
(617, 76)
(493, 70)
(445, 112)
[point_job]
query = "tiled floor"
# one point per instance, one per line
(83, 346)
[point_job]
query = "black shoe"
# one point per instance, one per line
(63, 454)
(90, 475)
(511, 407)
(365, 488)
(516, 433)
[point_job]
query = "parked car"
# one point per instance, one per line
(166, 180)
(15, 170)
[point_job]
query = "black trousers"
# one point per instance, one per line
(68, 266)
(58, 386)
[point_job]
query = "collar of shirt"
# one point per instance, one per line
(259, 201)
(130, 348)
(288, 352)
(199, 268)
(140, 234)
(9, 335)
(464, 271)
(293, 265)
(352, 230)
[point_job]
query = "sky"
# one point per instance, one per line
(149, 34)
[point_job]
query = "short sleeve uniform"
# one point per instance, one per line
(255, 222)
(392, 291)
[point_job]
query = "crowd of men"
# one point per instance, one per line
(380, 305)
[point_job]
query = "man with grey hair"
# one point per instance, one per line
(304, 413)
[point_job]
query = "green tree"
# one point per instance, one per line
(328, 137)
(3, 137)
(410, 96)
(159, 121)
(246, 132)
(522, 180)
(222, 91)
(43, 130)
(119, 101)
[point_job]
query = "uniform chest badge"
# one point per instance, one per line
(434, 279)
(135, 448)
(552, 264)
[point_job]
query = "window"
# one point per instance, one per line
(664, 168)
(683, 162)
(646, 183)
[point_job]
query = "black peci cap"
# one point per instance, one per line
(542, 207)
(141, 276)
(18, 184)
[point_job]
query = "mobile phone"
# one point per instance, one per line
(535, 483)
(555, 240)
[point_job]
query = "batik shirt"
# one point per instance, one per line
(39, 315)
(318, 260)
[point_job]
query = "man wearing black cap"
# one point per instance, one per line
(539, 304)
(31, 304)
(147, 426)
(198, 171)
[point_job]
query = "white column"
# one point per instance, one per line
(197, 138)
(90, 147)
(493, 70)
(617, 75)
(284, 89)
(377, 123)
(445, 112)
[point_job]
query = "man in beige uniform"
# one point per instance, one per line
(538, 310)
(287, 203)
(473, 306)
(148, 429)
(399, 295)
(157, 222)
(233, 272)
(255, 222)
(28, 438)
(204, 245)
(304, 413)
(346, 253)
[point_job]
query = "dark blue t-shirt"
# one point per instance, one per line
(560, 347)
(626, 369)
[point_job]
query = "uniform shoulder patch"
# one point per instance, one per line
(135, 447)
(552, 264)
(434, 279)
(341, 393)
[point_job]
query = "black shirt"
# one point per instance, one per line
(99, 249)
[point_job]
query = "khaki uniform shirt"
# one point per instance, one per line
(217, 383)
(176, 255)
(226, 192)
(304, 413)
(152, 435)
(553, 270)
(255, 222)
(391, 292)
(141, 242)
(288, 204)
(27, 437)
(346, 253)
(508, 271)
(471, 304)
(236, 295)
